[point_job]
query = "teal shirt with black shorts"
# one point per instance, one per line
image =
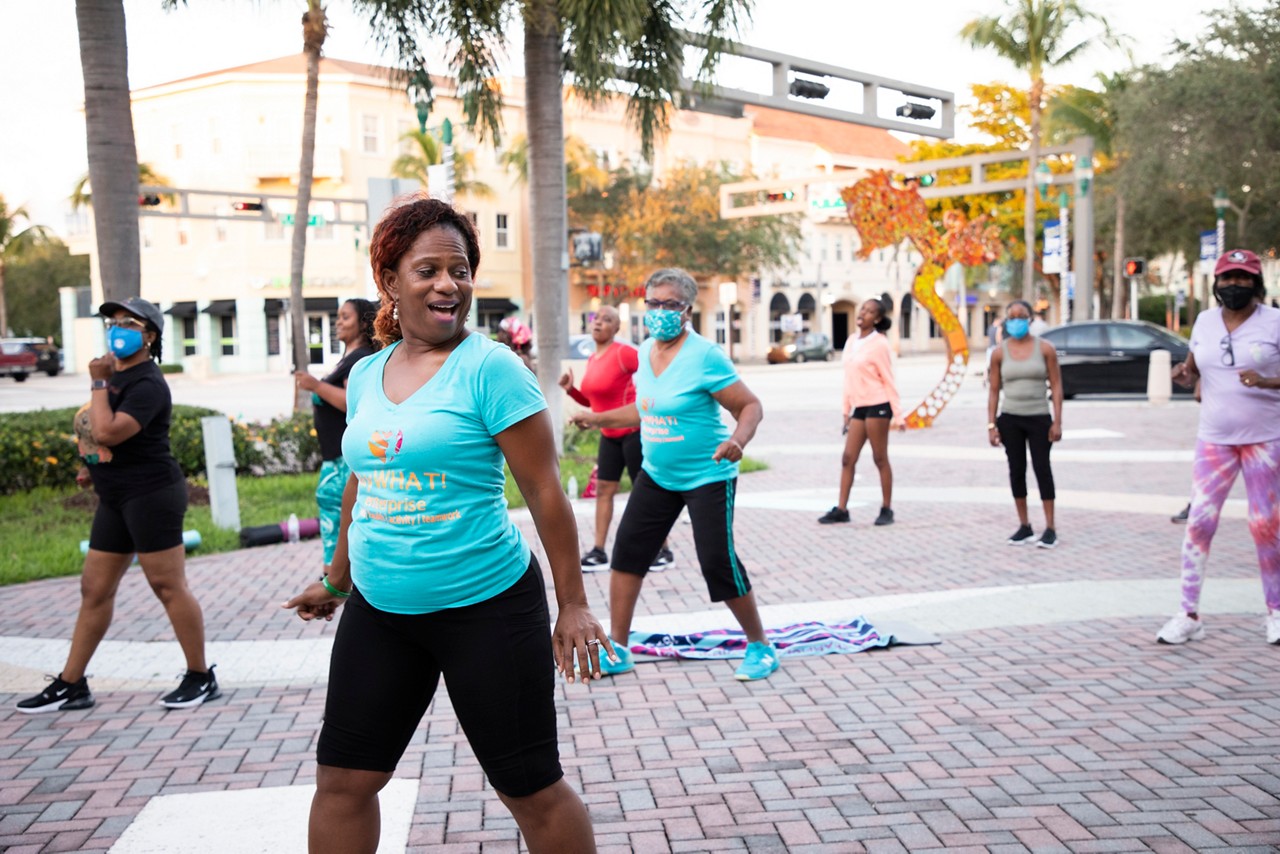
(680, 426)
(430, 529)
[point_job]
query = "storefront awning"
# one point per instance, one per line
(221, 307)
(273, 306)
(329, 304)
(496, 305)
(181, 309)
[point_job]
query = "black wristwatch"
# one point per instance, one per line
(97, 385)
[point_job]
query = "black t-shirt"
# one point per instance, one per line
(142, 463)
(331, 422)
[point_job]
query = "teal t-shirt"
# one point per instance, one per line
(680, 426)
(430, 528)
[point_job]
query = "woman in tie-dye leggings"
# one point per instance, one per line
(1235, 351)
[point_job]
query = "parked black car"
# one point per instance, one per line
(1112, 356)
(48, 357)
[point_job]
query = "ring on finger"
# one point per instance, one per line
(593, 641)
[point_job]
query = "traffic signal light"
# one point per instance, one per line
(1134, 267)
(148, 200)
(246, 206)
(914, 110)
(802, 88)
(781, 196)
(926, 180)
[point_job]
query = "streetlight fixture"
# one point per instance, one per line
(1044, 176)
(1084, 173)
(1220, 205)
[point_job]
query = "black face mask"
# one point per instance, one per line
(1235, 297)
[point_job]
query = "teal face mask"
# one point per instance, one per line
(124, 342)
(664, 324)
(1017, 327)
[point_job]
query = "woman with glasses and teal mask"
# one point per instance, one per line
(1024, 380)
(142, 498)
(690, 462)
(1235, 354)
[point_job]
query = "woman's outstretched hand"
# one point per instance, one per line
(579, 637)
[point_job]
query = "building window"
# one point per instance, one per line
(475, 219)
(369, 141)
(273, 230)
(335, 343)
(183, 237)
(273, 335)
(188, 336)
(227, 326)
(501, 237)
(839, 248)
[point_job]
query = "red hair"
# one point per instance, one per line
(395, 235)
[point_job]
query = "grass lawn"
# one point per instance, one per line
(41, 530)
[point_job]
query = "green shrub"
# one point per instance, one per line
(171, 369)
(286, 445)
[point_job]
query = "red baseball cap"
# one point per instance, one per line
(1238, 259)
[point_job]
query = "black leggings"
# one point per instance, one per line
(1016, 433)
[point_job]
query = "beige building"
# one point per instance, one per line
(234, 134)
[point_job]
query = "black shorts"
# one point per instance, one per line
(151, 522)
(614, 454)
(652, 511)
(497, 664)
(880, 410)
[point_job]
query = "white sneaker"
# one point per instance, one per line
(1181, 629)
(1273, 627)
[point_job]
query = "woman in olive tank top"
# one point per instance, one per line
(1023, 368)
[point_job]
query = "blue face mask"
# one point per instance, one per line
(124, 342)
(1017, 327)
(664, 324)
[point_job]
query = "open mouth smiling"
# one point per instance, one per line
(443, 309)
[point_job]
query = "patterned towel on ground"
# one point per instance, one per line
(795, 640)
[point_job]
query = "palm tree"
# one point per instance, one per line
(429, 151)
(582, 170)
(13, 241)
(113, 155)
(1088, 112)
(1033, 35)
(81, 195)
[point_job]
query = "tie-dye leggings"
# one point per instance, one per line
(333, 480)
(1212, 476)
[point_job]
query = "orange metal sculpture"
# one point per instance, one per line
(886, 214)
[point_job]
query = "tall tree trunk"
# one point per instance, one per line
(1029, 208)
(4, 310)
(113, 155)
(314, 30)
(544, 112)
(1117, 263)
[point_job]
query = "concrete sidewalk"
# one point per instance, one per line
(1047, 719)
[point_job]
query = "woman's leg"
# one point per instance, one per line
(1040, 447)
(605, 492)
(878, 434)
(166, 573)
(329, 488)
(1212, 475)
(1260, 465)
(98, 585)
(345, 818)
(1014, 439)
(853, 442)
(553, 820)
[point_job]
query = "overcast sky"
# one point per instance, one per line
(42, 146)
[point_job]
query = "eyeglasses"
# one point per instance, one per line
(668, 304)
(126, 323)
(1228, 355)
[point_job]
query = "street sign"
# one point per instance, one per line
(314, 219)
(1180, 298)
(1053, 246)
(1208, 245)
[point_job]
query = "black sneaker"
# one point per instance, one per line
(1048, 539)
(885, 517)
(195, 688)
(1022, 536)
(662, 561)
(595, 560)
(835, 514)
(1181, 517)
(60, 696)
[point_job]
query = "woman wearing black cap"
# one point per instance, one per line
(142, 497)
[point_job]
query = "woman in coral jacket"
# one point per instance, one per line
(869, 408)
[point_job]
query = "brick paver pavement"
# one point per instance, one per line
(1079, 735)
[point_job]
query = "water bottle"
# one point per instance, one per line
(572, 489)
(292, 527)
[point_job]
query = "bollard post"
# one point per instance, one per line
(1159, 382)
(220, 464)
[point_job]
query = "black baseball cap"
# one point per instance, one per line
(138, 307)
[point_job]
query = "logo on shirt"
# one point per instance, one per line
(385, 445)
(645, 404)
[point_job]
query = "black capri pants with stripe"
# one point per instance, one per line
(1017, 434)
(497, 663)
(652, 511)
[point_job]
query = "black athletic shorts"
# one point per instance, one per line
(151, 522)
(652, 511)
(497, 665)
(615, 454)
(880, 410)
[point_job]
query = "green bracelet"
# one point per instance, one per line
(333, 591)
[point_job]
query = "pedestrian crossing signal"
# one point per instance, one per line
(148, 200)
(246, 206)
(1135, 267)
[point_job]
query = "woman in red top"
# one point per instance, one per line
(870, 407)
(606, 385)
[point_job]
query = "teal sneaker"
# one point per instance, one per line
(625, 662)
(760, 663)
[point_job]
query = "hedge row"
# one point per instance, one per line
(39, 448)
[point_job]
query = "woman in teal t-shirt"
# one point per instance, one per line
(436, 578)
(690, 462)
